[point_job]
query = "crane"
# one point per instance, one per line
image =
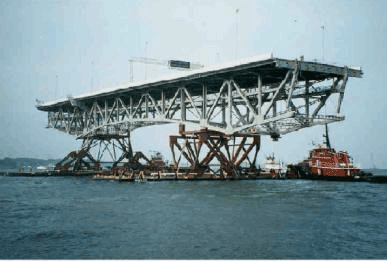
(172, 64)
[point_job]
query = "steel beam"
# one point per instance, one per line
(233, 104)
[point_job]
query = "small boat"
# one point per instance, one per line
(272, 168)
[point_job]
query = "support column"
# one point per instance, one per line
(146, 107)
(274, 108)
(162, 102)
(183, 106)
(106, 112)
(223, 112)
(131, 105)
(342, 89)
(274, 115)
(118, 110)
(229, 124)
(95, 114)
(204, 104)
(307, 84)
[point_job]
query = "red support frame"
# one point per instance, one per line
(201, 148)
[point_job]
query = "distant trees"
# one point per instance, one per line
(8, 163)
(15, 163)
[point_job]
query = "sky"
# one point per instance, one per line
(53, 49)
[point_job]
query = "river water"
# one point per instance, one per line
(72, 218)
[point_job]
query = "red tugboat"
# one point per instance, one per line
(325, 163)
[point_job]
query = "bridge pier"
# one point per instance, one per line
(203, 147)
(117, 148)
(79, 160)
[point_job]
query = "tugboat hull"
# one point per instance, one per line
(325, 163)
(334, 172)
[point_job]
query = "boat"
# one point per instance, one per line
(272, 168)
(325, 163)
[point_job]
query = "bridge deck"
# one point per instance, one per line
(272, 69)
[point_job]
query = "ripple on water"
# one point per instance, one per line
(68, 218)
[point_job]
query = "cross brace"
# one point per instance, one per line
(202, 148)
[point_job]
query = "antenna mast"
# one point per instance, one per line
(327, 142)
(236, 33)
(322, 44)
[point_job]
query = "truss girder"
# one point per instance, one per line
(231, 107)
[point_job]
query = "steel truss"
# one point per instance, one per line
(117, 148)
(271, 97)
(201, 148)
(230, 106)
(79, 160)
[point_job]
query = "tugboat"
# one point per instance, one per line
(325, 163)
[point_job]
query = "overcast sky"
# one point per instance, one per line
(52, 49)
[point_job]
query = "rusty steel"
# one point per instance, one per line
(201, 148)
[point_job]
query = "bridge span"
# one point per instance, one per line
(261, 95)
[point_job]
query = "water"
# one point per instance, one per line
(71, 218)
